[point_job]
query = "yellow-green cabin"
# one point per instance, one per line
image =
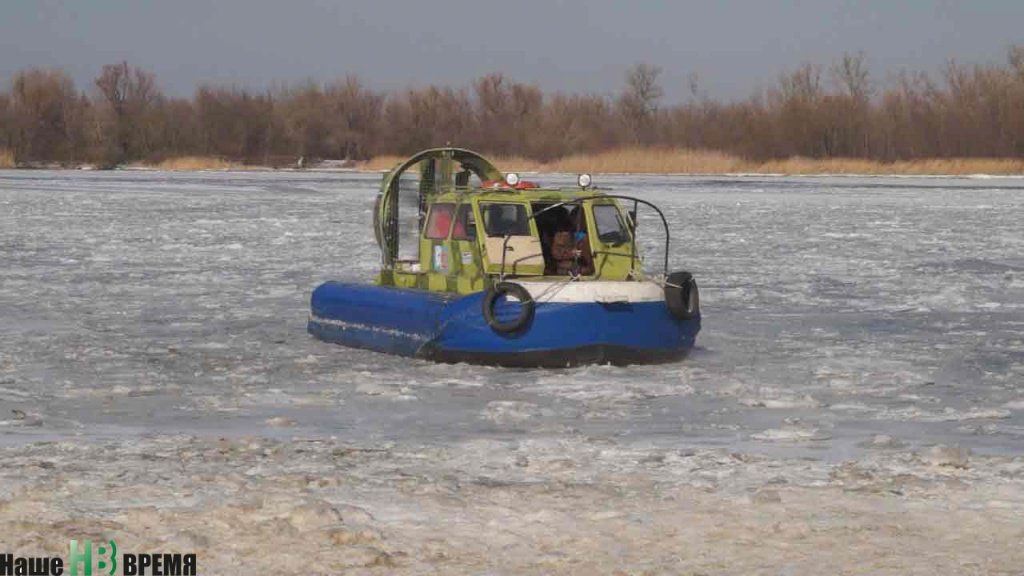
(469, 216)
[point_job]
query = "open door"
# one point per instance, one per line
(510, 241)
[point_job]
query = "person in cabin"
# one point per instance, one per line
(570, 247)
(546, 226)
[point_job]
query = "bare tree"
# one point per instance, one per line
(235, 123)
(304, 119)
(638, 104)
(127, 94)
(852, 75)
(43, 106)
(1015, 57)
(354, 116)
(7, 129)
(803, 84)
(847, 114)
(493, 113)
(642, 85)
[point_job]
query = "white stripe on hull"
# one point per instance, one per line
(343, 325)
(603, 291)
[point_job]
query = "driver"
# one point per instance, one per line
(570, 248)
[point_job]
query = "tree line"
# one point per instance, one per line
(836, 111)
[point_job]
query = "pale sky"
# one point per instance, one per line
(732, 46)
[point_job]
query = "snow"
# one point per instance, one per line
(855, 404)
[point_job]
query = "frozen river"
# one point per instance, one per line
(834, 309)
(845, 320)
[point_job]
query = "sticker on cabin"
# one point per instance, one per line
(467, 258)
(441, 258)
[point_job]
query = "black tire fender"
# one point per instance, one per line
(682, 295)
(525, 312)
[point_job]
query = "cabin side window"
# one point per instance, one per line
(611, 229)
(440, 221)
(504, 219)
(465, 223)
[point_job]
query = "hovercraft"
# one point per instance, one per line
(497, 270)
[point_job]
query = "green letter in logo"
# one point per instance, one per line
(85, 557)
(112, 562)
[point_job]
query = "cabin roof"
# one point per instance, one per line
(509, 194)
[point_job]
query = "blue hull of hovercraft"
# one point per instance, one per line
(452, 328)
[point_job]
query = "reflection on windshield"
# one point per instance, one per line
(505, 219)
(610, 227)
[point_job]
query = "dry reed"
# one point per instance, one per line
(381, 163)
(6, 158)
(650, 161)
(194, 163)
(687, 161)
(934, 166)
(511, 163)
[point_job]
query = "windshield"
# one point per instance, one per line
(611, 229)
(440, 221)
(465, 224)
(501, 219)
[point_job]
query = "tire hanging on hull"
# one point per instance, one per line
(526, 307)
(682, 295)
